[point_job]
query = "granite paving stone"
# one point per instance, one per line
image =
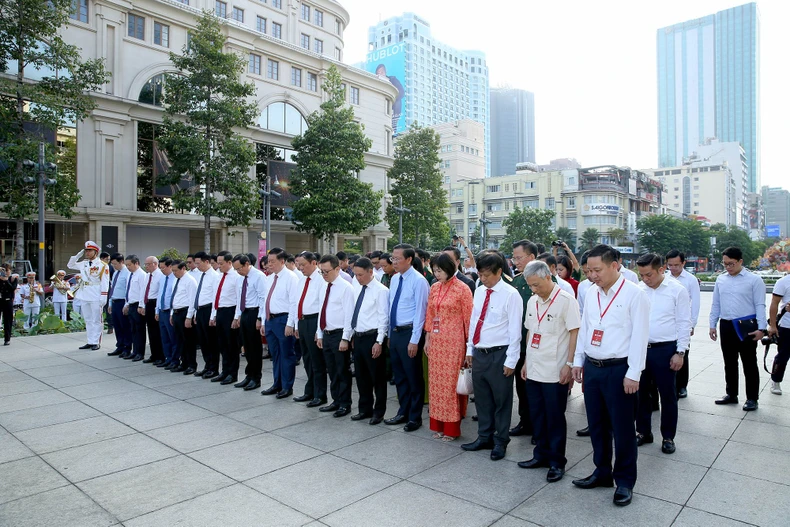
(73, 433)
(202, 433)
(159, 416)
(62, 507)
(12, 448)
(26, 477)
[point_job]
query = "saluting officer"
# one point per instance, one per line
(92, 293)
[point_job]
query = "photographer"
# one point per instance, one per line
(7, 292)
(780, 325)
(575, 270)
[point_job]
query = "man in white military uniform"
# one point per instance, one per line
(93, 292)
(31, 293)
(60, 298)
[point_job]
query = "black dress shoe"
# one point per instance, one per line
(727, 400)
(554, 474)
(189, 371)
(683, 393)
(750, 405)
(227, 380)
(180, 368)
(284, 393)
(498, 452)
(115, 353)
(137, 358)
(644, 439)
(243, 383)
(342, 411)
(7, 343)
(271, 390)
(532, 463)
(303, 398)
(95, 347)
(329, 408)
(149, 360)
(398, 419)
(375, 420)
(209, 374)
(159, 363)
(622, 496)
(127, 355)
(668, 446)
(474, 418)
(411, 426)
(218, 378)
(592, 481)
(478, 444)
(199, 373)
(360, 416)
(252, 385)
(584, 432)
(520, 430)
(86, 347)
(316, 402)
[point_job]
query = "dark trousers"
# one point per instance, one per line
(207, 338)
(493, 396)
(682, 376)
(186, 340)
(547, 402)
(282, 351)
(168, 334)
(251, 340)
(611, 414)
(371, 376)
(782, 355)
(7, 310)
(228, 341)
(731, 348)
(407, 372)
(107, 317)
(122, 326)
(154, 335)
(315, 388)
(521, 389)
(179, 331)
(138, 330)
(338, 365)
(658, 374)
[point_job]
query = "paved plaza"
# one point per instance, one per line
(90, 440)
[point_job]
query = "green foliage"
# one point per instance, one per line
(527, 224)
(567, 235)
(589, 238)
(204, 103)
(330, 155)
(173, 254)
(415, 176)
(732, 236)
(661, 233)
(618, 235)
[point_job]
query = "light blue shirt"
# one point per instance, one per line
(738, 296)
(120, 278)
(412, 303)
(168, 289)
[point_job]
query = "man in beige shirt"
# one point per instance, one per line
(552, 322)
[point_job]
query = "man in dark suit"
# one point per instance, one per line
(455, 254)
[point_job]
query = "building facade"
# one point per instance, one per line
(512, 129)
(437, 83)
(776, 203)
(461, 150)
(289, 45)
(732, 155)
(709, 85)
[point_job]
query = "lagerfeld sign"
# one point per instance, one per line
(601, 209)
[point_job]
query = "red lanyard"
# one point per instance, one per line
(537, 309)
(610, 302)
(446, 287)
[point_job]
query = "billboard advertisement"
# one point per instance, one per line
(772, 231)
(601, 209)
(390, 64)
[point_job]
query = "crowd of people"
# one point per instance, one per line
(544, 318)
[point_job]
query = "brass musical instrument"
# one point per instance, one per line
(62, 286)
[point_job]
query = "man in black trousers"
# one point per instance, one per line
(207, 280)
(222, 316)
(246, 320)
(181, 314)
(134, 293)
(148, 310)
(7, 290)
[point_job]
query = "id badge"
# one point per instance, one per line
(535, 341)
(597, 337)
(435, 325)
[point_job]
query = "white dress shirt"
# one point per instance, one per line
(690, 282)
(378, 273)
(228, 294)
(256, 287)
(626, 326)
(153, 291)
(581, 292)
(502, 323)
(310, 305)
(136, 285)
(629, 274)
(670, 313)
(185, 291)
(373, 313)
(347, 277)
(58, 297)
(166, 285)
(782, 289)
(209, 288)
(339, 307)
(286, 287)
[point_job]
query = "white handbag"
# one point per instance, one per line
(465, 386)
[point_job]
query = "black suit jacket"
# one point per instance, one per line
(466, 280)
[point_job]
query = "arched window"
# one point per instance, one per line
(282, 117)
(151, 93)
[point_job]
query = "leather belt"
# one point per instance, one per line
(277, 315)
(204, 306)
(605, 363)
(407, 327)
(180, 310)
(333, 331)
(492, 349)
(661, 344)
(309, 317)
(366, 333)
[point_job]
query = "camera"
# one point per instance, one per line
(768, 340)
(557, 243)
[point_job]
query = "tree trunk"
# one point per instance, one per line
(207, 233)
(20, 244)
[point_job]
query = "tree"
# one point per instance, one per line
(329, 156)
(661, 233)
(618, 235)
(527, 224)
(732, 236)
(589, 238)
(567, 235)
(48, 89)
(415, 176)
(204, 103)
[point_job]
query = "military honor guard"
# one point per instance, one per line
(32, 297)
(61, 291)
(92, 293)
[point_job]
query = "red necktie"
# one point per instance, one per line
(148, 288)
(269, 297)
(301, 300)
(479, 327)
(323, 309)
(219, 290)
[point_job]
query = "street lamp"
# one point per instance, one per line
(400, 209)
(483, 229)
(42, 168)
(266, 194)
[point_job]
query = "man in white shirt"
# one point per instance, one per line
(280, 286)
(670, 332)
(493, 351)
(551, 261)
(182, 300)
(625, 271)
(676, 261)
(147, 309)
(581, 292)
(779, 324)
(552, 325)
(248, 301)
(303, 324)
(366, 331)
(207, 281)
(60, 298)
(337, 305)
(610, 352)
(135, 288)
(223, 311)
(375, 259)
(162, 312)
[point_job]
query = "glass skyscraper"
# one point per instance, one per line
(709, 86)
(512, 129)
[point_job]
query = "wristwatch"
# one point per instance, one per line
(569, 364)
(681, 353)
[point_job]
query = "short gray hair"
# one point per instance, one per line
(537, 268)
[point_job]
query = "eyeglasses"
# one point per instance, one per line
(730, 265)
(324, 273)
(395, 259)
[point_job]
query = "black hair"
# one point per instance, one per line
(341, 255)
(473, 275)
(528, 247)
(606, 253)
(133, 258)
(408, 250)
(548, 258)
(617, 252)
(331, 259)
(166, 261)
(541, 248)
(307, 255)
(653, 260)
(423, 254)
(226, 256)
(203, 255)
(243, 259)
(418, 265)
(275, 250)
(491, 262)
(364, 263)
(565, 262)
(456, 252)
(117, 257)
(213, 257)
(290, 259)
(444, 262)
(585, 256)
(180, 264)
(733, 252)
(674, 253)
(191, 255)
(104, 255)
(251, 258)
(387, 256)
(280, 255)
(375, 254)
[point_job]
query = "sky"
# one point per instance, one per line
(591, 66)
